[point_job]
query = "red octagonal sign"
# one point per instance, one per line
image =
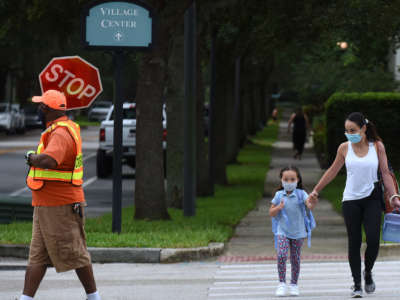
(78, 79)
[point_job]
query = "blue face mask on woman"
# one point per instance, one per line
(353, 138)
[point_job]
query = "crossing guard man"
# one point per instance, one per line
(55, 178)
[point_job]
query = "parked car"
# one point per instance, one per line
(20, 118)
(12, 118)
(32, 117)
(99, 110)
(106, 142)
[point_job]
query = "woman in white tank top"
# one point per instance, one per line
(361, 204)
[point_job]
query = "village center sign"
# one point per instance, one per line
(124, 24)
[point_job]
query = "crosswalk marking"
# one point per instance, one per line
(317, 281)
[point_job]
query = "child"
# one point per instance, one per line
(291, 223)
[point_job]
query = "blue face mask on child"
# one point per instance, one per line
(289, 186)
(353, 138)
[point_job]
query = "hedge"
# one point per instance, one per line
(383, 109)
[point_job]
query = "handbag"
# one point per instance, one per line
(391, 227)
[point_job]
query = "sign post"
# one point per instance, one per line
(189, 193)
(117, 26)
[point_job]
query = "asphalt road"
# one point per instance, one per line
(210, 280)
(98, 192)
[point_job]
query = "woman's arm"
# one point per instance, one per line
(333, 170)
(291, 121)
(384, 168)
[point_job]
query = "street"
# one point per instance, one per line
(210, 280)
(98, 192)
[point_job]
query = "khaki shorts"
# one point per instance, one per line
(58, 239)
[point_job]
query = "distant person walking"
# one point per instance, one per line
(55, 178)
(361, 202)
(300, 125)
(291, 224)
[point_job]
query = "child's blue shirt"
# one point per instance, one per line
(295, 228)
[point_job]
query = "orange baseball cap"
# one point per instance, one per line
(53, 99)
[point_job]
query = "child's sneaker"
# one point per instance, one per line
(294, 290)
(281, 290)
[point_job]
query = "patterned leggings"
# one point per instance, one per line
(295, 251)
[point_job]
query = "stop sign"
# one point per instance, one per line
(78, 79)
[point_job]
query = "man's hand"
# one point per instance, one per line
(28, 156)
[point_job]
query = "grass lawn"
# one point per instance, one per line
(84, 121)
(334, 192)
(215, 219)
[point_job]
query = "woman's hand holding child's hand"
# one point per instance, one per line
(312, 200)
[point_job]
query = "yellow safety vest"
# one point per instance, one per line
(37, 176)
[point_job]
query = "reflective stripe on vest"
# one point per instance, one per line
(37, 176)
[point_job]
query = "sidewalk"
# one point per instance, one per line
(253, 239)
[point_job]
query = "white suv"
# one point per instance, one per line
(12, 118)
(106, 140)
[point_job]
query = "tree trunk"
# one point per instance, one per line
(234, 127)
(252, 109)
(150, 197)
(175, 115)
(204, 187)
(149, 192)
(220, 131)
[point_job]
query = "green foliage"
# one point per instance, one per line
(215, 219)
(380, 108)
(328, 69)
(333, 192)
(319, 139)
(84, 121)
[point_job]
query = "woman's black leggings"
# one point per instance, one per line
(367, 212)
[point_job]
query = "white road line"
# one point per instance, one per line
(306, 264)
(307, 297)
(89, 181)
(322, 281)
(19, 192)
(302, 284)
(89, 156)
(302, 291)
(392, 271)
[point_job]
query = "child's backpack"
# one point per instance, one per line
(309, 220)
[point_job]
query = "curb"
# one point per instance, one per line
(132, 255)
(191, 254)
(389, 250)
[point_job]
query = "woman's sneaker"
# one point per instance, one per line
(281, 290)
(294, 290)
(369, 283)
(356, 292)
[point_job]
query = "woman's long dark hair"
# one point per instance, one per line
(360, 120)
(296, 170)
